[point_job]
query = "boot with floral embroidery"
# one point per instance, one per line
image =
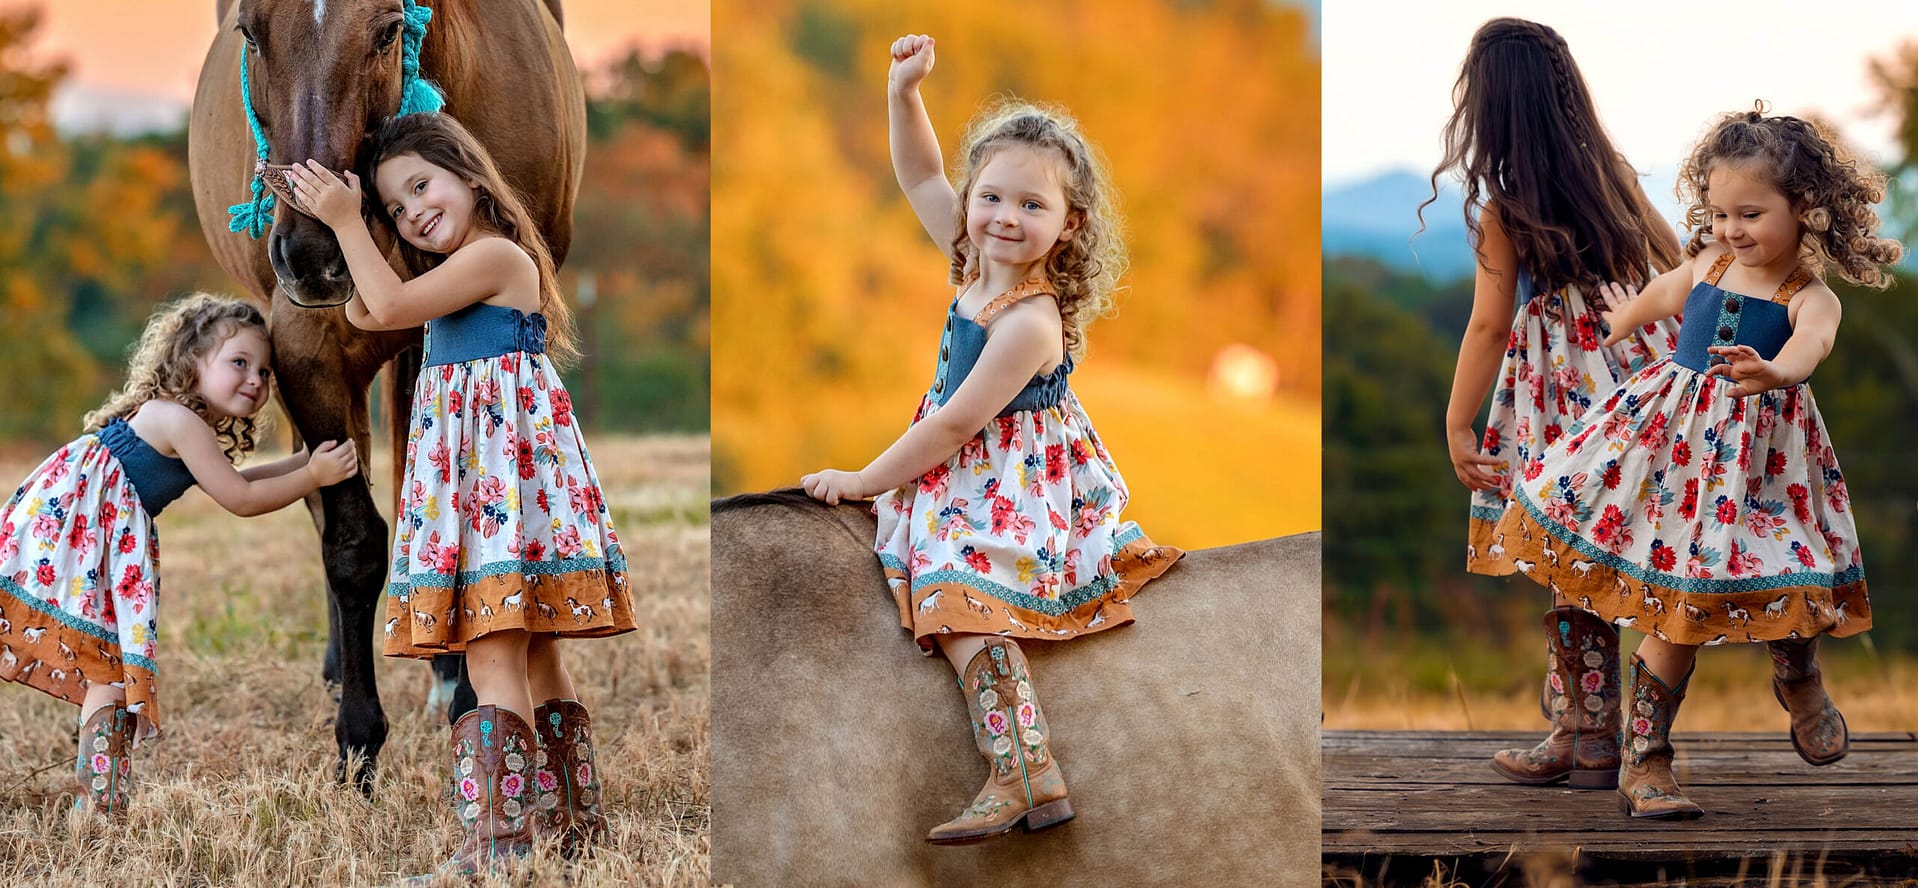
(566, 781)
(1647, 787)
(492, 788)
(1582, 700)
(104, 768)
(1817, 728)
(1025, 786)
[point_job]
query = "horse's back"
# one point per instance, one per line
(1189, 739)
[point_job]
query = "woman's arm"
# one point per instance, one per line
(1024, 339)
(915, 147)
(1481, 351)
(184, 432)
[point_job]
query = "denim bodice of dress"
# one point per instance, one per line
(1714, 316)
(959, 350)
(481, 330)
(157, 479)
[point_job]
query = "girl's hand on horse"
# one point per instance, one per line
(1749, 373)
(331, 200)
(911, 62)
(333, 462)
(1475, 470)
(833, 485)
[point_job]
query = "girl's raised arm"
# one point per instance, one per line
(916, 160)
(1663, 297)
(1814, 325)
(1493, 292)
(189, 436)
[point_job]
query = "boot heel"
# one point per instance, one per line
(1594, 779)
(1049, 814)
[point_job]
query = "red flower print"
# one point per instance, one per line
(525, 459)
(81, 537)
(1586, 334)
(1727, 510)
(545, 505)
(977, 560)
(1611, 475)
(126, 543)
(1663, 557)
(454, 401)
(1775, 464)
(1804, 554)
(562, 408)
(1552, 432)
(527, 402)
(1682, 452)
(1055, 463)
(1491, 439)
(44, 574)
(1688, 504)
(1081, 454)
(1009, 438)
(1800, 501)
(534, 550)
(108, 512)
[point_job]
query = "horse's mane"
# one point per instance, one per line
(790, 497)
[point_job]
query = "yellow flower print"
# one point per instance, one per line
(1027, 567)
(138, 633)
(432, 507)
(932, 522)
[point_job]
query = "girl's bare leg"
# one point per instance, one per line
(1670, 662)
(546, 675)
(496, 664)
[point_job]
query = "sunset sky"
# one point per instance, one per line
(134, 62)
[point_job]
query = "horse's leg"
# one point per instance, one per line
(330, 667)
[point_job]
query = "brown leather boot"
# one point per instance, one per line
(1647, 787)
(1582, 699)
(104, 768)
(1818, 730)
(1025, 785)
(566, 781)
(492, 788)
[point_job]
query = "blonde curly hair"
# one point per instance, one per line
(1829, 188)
(165, 363)
(1085, 268)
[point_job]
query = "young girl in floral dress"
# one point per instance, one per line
(1554, 210)
(1700, 502)
(80, 551)
(999, 508)
(502, 545)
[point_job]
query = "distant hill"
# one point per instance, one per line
(1377, 217)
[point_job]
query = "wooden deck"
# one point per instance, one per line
(1434, 796)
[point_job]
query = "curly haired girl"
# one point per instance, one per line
(1702, 503)
(999, 508)
(79, 550)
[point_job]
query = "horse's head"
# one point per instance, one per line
(323, 74)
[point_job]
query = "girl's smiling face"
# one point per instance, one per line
(1017, 210)
(233, 376)
(430, 206)
(1751, 218)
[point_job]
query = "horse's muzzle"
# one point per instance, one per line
(311, 271)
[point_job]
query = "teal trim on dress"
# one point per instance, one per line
(1688, 585)
(1065, 604)
(91, 630)
(615, 562)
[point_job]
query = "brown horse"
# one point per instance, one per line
(323, 75)
(1190, 739)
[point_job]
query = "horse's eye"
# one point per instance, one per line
(387, 37)
(247, 35)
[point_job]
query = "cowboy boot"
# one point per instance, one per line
(104, 768)
(1025, 785)
(493, 789)
(566, 781)
(1647, 788)
(1817, 728)
(1582, 699)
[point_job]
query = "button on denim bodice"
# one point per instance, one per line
(483, 331)
(959, 350)
(157, 479)
(1718, 317)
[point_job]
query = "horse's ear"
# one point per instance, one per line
(220, 8)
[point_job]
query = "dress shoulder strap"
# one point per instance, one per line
(1797, 280)
(1022, 291)
(1717, 271)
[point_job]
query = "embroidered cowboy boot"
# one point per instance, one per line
(1582, 699)
(104, 768)
(1025, 786)
(1647, 787)
(566, 781)
(1817, 728)
(493, 789)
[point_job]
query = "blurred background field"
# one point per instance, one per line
(1411, 640)
(829, 297)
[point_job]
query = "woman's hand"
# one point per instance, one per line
(1750, 373)
(832, 485)
(911, 62)
(1474, 468)
(333, 462)
(330, 200)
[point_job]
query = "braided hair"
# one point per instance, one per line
(1526, 138)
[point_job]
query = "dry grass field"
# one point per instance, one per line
(240, 791)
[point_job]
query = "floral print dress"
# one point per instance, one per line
(1018, 534)
(502, 524)
(80, 570)
(1555, 366)
(1692, 515)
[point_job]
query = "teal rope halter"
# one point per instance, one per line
(416, 95)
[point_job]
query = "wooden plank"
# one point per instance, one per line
(1435, 795)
